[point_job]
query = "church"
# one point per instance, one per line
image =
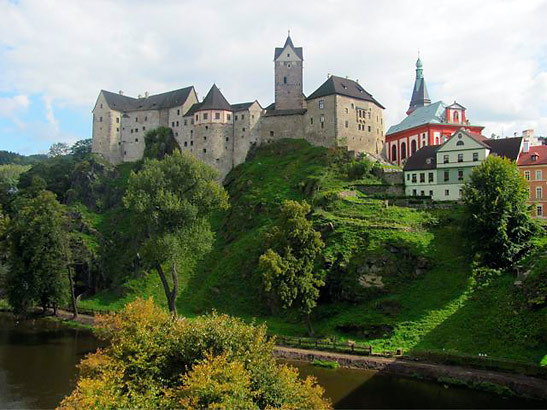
(340, 113)
(426, 123)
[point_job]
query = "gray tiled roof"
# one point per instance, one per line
(297, 50)
(424, 158)
(154, 102)
(506, 147)
(343, 86)
(420, 96)
(430, 114)
(214, 100)
(242, 106)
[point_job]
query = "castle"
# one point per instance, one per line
(340, 113)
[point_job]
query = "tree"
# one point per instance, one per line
(81, 149)
(39, 254)
(172, 200)
(159, 142)
(215, 361)
(288, 267)
(498, 216)
(58, 149)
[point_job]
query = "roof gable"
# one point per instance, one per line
(463, 140)
(506, 147)
(343, 86)
(527, 158)
(456, 106)
(295, 51)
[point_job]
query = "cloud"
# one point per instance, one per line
(491, 56)
(11, 106)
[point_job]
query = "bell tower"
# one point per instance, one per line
(420, 96)
(288, 61)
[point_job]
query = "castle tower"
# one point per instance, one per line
(420, 96)
(288, 62)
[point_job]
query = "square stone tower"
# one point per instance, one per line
(288, 62)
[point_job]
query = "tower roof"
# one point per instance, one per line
(288, 42)
(420, 96)
(214, 100)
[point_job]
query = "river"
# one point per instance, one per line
(38, 361)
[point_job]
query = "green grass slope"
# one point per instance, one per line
(396, 277)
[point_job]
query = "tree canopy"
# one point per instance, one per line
(172, 200)
(498, 216)
(288, 268)
(213, 361)
(38, 253)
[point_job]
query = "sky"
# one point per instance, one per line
(56, 55)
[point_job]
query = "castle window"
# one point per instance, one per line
(136, 140)
(322, 125)
(288, 55)
(322, 118)
(321, 104)
(204, 138)
(176, 134)
(178, 123)
(118, 129)
(217, 116)
(271, 133)
(131, 130)
(253, 117)
(144, 128)
(125, 153)
(311, 120)
(369, 128)
(227, 139)
(243, 129)
(100, 119)
(204, 150)
(284, 80)
(206, 127)
(185, 143)
(136, 130)
(352, 105)
(192, 143)
(101, 106)
(145, 118)
(117, 120)
(173, 124)
(185, 122)
(235, 117)
(136, 119)
(205, 115)
(191, 133)
(242, 116)
(347, 123)
(197, 117)
(289, 65)
(178, 112)
(347, 111)
(228, 117)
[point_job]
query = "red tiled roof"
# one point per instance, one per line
(526, 157)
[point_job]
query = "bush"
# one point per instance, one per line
(214, 361)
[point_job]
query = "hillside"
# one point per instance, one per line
(396, 276)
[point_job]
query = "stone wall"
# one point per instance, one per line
(245, 132)
(320, 121)
(106, 131)
(387, 190)
(274, 128)
(360, 125)
(135, 125)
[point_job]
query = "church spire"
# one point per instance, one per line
(420, 96)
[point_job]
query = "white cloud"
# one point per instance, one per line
(50, 115)
(491, 55)
(10, 106)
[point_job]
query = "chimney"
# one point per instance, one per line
(146, 94)
(526, 146)
(120, 92)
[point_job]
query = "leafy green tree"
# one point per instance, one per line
(81, 149)
(214, 361)
(58, 149)
(39, 253)
(498, 216)
(288, 269)
(159, 143)
(9, 178)
(172, 200)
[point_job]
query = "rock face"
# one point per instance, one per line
(370, 273)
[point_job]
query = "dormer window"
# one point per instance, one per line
(534, 157)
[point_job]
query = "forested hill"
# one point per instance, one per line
(395, 277)
(7, 157)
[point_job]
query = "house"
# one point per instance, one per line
(532, 164)
(439, 171)
(426, 123)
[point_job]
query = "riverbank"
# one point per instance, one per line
(497, 382)
(485, 380)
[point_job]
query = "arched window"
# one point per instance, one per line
(459, 142)
(456, 116)
(403, 151)
(413, 147)
(394, 153)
